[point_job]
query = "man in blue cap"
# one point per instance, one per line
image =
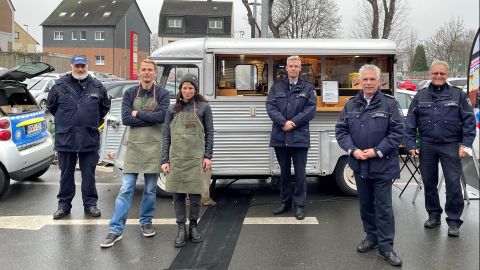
(78, 102)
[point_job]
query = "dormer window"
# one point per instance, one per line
(62, 14)
(73, 14)
(175, 22)
(86, 14)
(106, 14)
(215, 23)
(215, 26)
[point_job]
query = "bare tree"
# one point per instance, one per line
(445, 42)
(274, 27)
(382, 19)
(307, 18)
(154, 42)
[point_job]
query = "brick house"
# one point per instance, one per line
(6, 25)
(190, 19)
(113, 34)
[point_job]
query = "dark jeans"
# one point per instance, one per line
(447, 154)
(88, 162)
(284, 158)
(376, 211)
(181, 210)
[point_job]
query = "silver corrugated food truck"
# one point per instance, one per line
(235, 76)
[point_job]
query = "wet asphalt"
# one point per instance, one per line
(232, 241)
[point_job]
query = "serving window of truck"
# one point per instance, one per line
(247, 75)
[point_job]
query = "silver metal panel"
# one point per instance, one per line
(113, 131)
(196, 47)
(241, 153)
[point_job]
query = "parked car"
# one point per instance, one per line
(115, 89)
(409, 84)
(404, 98)
(40, 86)
(26, 146)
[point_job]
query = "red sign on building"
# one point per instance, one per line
(133, 56)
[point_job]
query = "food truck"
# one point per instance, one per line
(235, 76)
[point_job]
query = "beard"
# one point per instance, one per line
(79, 76)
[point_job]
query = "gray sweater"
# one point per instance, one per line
(204, 113)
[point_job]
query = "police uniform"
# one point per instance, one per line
(375, 125)
(445, 120)
(78, 107)
(295, 102)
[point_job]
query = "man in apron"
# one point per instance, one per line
(143, 111)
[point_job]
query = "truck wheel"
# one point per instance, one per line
(4, 182)
(344, 177)
(161, 193)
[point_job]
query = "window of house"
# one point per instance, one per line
(62, 14)
(99, 60)
(106, 14)
(83, 35)
(175, 22)
(17, 35)
(215, 23)
(99, 35)
(58, 35)
(74, 35)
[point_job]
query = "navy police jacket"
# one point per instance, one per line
(78, 107)
(298, 105)
(379, 126)
(441, 115)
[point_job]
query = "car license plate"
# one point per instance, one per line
(32, 129)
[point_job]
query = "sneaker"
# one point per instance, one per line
(453, 231)
(148, 230)
(110, 240)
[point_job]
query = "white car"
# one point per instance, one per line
(40, 86)
(404, 98)
(26, 147)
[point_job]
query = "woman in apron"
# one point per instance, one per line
(187, 153)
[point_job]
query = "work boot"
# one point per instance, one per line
(181, 235)
(193, 232)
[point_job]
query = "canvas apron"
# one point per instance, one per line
(187, 152)
(144, 144)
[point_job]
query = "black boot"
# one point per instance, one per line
(193, 232)
(181, 236)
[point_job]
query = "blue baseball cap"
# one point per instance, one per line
(79, 60)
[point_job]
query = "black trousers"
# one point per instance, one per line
(88, 162)
(447, 154)
(285, 155)
(376, 211)
(181, 209)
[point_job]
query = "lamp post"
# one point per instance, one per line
(254, 4)
(26, 39)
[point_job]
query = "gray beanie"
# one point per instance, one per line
(191, 78)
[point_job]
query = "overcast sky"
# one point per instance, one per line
(426, 15)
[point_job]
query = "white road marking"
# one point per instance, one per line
(38, 222)
(278, 220)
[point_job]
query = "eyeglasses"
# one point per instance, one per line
(438, 73)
